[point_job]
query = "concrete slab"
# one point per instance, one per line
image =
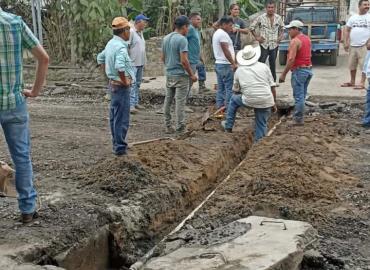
(270, 244)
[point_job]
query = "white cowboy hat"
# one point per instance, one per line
(249, 55)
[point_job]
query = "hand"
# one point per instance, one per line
(127, 82)
(234, 66)
(193, 78)
(346, 47)
(30, 93)
(282, 78)
(260, 39)
(274, 108)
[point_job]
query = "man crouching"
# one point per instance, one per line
(117, 64)
(256, 86)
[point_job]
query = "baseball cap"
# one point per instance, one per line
(181, 21)
(295, 23)
(141, 17)
(119, 23)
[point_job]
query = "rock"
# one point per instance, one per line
(58, 91)
(313, 258)
(360, 185)
(310, 104)
(327, 105)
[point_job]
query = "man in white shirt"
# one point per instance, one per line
(357, 32)
(223, 50)
(255, 85)
(138, 57)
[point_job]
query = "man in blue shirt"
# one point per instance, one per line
(117, 64)
(178, 71)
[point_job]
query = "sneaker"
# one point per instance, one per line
(228, 130)
(188, 110)
(169, 130)
(139, 107)
(27, 218)
(133, 110)
(160, 111)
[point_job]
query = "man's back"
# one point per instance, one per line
(15, 36)
(173, 45)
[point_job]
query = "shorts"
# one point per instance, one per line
(357, 57)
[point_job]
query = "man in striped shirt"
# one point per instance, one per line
(15, 36)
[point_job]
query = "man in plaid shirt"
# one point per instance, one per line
(15, 36)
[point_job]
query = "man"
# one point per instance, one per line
(178, 71)
(117, 65)
(257, 87)
(138, 57)
(357, 32)
(224, 53)
(14, 117)
(299, 62)
(270, 32)
(366, 70)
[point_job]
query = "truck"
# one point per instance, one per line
(321, 23)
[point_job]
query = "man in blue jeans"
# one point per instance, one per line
(256, 89)
(14, 117)
(299, 62)
(223, 50)
(366, 70)
(117, 64)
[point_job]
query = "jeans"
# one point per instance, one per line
(225, 79)
(366, 119)
(261, 116)
(119, 117)
(176, 88)
(16, 130)
(300, 79)
(271, 54)
(135, 88)
(201, 69)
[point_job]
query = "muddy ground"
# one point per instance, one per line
(318, 173)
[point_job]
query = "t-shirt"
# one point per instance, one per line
(255, 83)
(173, 45)
(235, 37)
(360, 29)
(137, 48)
(220, 36)
(194, 45)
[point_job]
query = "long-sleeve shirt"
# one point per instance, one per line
(15, 37)
(116, 59)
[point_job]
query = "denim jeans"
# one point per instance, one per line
(225, 80)
(135, 88)
(16, 130)
(300, 79)
(366, 119)
(271, 54)
(261, 116)
(201, 69)
(119, 117)
(176, 88)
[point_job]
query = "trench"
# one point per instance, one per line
(113, 246)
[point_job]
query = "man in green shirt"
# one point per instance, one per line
(14, 117)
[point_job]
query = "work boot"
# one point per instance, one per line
(202, 88)
(188, 110)
(27, 218)
(223, 124)
(133, 110)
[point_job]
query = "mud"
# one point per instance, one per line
(318, 173)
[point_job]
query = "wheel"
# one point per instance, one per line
(282, 57)
(333, 58)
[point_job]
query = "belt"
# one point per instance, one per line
(303, 67)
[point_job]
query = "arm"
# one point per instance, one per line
(256, 24)
(225, 49)
(294, 46)
(243, 28)
(42, 59)
(123, 65)
(347, 32)
(281, 30)
(124, 79)
(185, 63)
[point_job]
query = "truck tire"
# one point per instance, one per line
(333, 58)
(282, 58)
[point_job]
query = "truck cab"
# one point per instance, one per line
(321, 25)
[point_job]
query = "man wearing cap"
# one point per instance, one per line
(14, 117)
(178, 71)
(299, 62)
(255, 88)
(138, 57)
(117, 64)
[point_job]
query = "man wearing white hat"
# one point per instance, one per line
(299, 62)
(256, 89)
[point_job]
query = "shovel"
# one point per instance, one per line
(208, 116)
